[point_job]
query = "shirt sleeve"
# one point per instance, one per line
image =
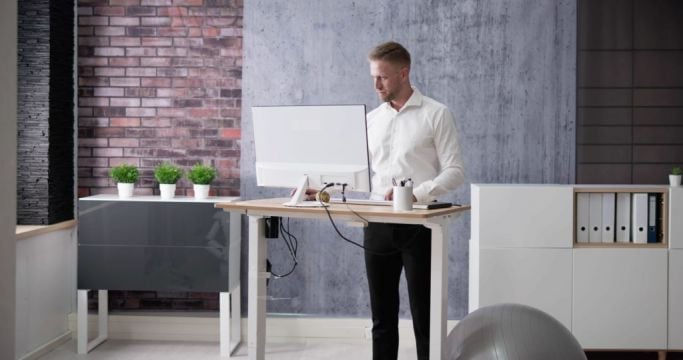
(452, 171)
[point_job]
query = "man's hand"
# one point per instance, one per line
(310, 194)
(390, 195)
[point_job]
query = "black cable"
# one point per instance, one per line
(292, 244)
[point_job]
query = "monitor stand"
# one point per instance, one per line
(299, 197)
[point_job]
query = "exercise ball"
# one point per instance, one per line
(511, 332)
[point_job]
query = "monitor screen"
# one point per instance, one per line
(324, 144)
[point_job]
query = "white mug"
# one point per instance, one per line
(403, 198)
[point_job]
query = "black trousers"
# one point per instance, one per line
(410, 246)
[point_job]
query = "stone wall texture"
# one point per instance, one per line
(505, 69)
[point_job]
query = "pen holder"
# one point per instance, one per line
(403, 198)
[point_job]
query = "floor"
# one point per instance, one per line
(157, 350)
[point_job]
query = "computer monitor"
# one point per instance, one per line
(310, 146)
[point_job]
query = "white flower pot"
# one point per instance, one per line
(675, 180)
(125, 189)
(167, 191)
(201, 191)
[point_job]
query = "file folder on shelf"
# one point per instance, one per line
(595, 219)
(639, 218)
(623, 219)
(608, 204)
(652, 218)
(582, 217)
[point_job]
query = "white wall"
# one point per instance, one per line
(46, 288)
(8, 159)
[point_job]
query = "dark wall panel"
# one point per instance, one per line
(657, 24)
(605, 68)
(604, 116)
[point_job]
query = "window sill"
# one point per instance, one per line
(27, 231)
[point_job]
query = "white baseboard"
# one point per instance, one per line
(201, 327)
(47, 347)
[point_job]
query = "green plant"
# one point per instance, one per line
(676, 170)
(201, 174)
(167, 173)
(124, 173)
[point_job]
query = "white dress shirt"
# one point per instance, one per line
(419, 142)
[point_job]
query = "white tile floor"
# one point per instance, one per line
(296, 349)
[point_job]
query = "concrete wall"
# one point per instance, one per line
(8, 157)
(506, 70)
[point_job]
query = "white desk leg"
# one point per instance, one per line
(439, 291)
(257, 288)
(83, 346)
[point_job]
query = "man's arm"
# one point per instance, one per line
(452, 171)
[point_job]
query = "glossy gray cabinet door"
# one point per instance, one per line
(147, 245)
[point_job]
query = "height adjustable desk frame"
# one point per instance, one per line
(437, 220)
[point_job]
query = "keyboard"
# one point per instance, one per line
(362, 202)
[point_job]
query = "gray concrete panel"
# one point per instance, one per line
(506, 70)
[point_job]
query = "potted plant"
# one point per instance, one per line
(167, 175)
(675, 177)
(125, 176)
(201, 177)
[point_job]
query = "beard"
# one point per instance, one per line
(387, 97)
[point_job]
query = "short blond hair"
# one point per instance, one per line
(392, 52)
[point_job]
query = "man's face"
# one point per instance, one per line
(388, 78)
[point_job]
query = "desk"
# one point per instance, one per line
(437, 220)
(146, 243)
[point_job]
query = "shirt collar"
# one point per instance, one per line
(414, 100)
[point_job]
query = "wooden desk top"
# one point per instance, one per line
(275, 207)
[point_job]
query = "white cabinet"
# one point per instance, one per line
(619, 298)
(676, 299)
(611, 296)
(536, 277)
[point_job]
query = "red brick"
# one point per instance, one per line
(125, 81)
(141, 132)
(231, 52)
(109, 71)
(93, 41)
(231, 133)
(231, 32)
(156, 122)
(156, 21)
(93, 81)
(124, 21)
(93, 101)
(188, 83)
(92, 142)
(221, 21)
(109, 51)
(141, 11)
(124, 122)
(84, 11)
(155, 61)
(142, 112)
(141, 51)
(172, 72)
(203, 113)
(124, 142)
(93, 20)
(173, 11)
(141, 71)
(109, 132)
(107, 152)
(171, 31)
(188, 2)
(152, 41)
(171, 92)
(99, 172)
(125, 41)
(140, 92)
(210, 32)
(155, 142)
(187, 143)
(93, 122)
(108, 91)
(157, 102)
(85, 30)
(124, 2)
(125, 61)
(194, 32)
(124, 160)
(97, 61)
(92, 162)
(125, 102)
(157, 2)
(171, 112)
(85, 111)
(110, 30)
(188, 42)
(156, 82)
(141, 31)
(110, 10)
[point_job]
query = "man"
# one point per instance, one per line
(409, 136)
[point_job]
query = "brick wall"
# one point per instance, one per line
(159, 80)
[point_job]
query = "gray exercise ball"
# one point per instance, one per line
(511, 332)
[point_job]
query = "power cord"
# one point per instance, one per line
(292, 244)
